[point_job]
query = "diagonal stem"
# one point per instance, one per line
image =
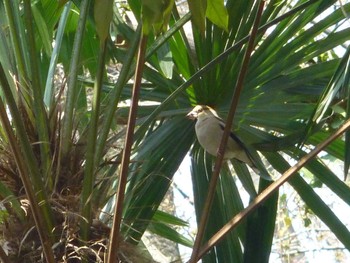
(117, 218)
(270, 190)
(229, 121)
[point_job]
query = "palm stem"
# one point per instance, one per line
(118, 211)
(38, 105)
(72, 81)
(91, 147)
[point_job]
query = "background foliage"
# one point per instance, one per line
(63, 118)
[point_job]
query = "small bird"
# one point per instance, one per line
(209, 130)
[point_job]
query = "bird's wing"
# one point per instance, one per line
(263, 173)
(240, 143)
(234, 137)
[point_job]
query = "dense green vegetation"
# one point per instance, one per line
(66, 79)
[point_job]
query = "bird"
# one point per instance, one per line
(209, 129)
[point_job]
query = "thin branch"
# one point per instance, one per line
(72, 90)
(89, 172)
(38, 105)
(114, 96)
(114, 240)
(270, 190)
(227, 130)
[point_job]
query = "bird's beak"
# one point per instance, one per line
(192, 115)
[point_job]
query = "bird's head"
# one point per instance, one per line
(201, 111)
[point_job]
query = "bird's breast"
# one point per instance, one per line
(209, 135)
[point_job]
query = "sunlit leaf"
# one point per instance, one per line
(166, 61)
(217, 13)
(103, 13)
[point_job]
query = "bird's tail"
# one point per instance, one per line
(257, 165)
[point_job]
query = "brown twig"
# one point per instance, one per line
(114, 240)
(270, 190)
(227, 130)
